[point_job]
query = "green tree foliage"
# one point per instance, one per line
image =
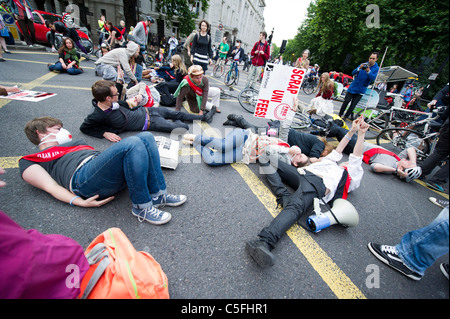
(181, 9)
(416, 35)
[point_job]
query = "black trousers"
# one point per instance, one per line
(307, 187)
(440, 153)
(28, 31)
(354, 98)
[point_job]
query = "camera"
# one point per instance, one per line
(365, 66)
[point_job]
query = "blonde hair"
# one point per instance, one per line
(326, 85)
(179, 64)
(328, 147)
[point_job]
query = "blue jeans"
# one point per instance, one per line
(58, 67)
(420, 248)
(228, 149)
(133, 162)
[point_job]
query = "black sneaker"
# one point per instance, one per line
(444, 269)
(389, 255)
(260, 252)
(438, 202)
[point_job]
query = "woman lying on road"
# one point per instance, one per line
(77, 174)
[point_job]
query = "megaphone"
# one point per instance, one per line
(344, 212)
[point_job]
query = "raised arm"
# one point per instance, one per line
(347, 137)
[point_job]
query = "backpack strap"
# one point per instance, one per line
(98, 253)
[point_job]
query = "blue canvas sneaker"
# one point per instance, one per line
(169, 200)
(152, 215)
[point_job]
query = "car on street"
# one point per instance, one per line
(41, 30)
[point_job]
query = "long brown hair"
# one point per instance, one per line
(327, 85)
(63, 45)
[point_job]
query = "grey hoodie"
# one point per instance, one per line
(122, 56)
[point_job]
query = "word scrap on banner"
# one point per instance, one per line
(279, 86)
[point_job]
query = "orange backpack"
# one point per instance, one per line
(118, 271)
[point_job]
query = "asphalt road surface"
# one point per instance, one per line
(202, 248)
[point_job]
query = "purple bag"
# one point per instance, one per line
(38, 266)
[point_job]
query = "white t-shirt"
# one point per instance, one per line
(331, 172)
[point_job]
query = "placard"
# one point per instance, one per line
(28, 96)
(279, 86)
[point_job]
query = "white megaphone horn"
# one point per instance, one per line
(343, 213)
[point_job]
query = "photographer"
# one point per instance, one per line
(364, 75)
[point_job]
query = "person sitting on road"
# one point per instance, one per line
(68, 61)
(107, 65)
(325, 180)
(112, 117)
(196, 89)
(75, 173)
(322, 103)
(243, 145)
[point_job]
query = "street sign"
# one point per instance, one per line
(221, 27)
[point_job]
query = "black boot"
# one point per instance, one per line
(209, 116)
(233, 116)
(260, 252)
(230, 122)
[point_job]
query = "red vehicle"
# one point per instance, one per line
(41, 29)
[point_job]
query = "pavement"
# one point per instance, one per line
(201, 249)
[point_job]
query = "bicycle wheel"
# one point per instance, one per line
(248, 98)
(300, 121)
(308, 88)
(218, 70)
(229, 77)
(398, 139)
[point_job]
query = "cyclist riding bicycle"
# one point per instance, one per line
(237, 54)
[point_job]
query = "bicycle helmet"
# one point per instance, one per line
(149, 18)
(413, 173)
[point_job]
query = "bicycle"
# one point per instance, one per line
(219, 68)
(310, 85)
(380, 119)
(248, 99)
(401, 138)
(232, 76)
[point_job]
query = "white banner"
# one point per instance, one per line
(279, 86)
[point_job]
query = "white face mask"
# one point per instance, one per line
(115, 106)
(63, 136)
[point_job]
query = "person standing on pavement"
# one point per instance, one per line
(260, 54)
(75, 173)
(364, 74)
(22, 11)
(173, 43)
(201, 51)
(418, 249)
(140, 32)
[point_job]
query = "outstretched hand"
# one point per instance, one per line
(93, 202)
